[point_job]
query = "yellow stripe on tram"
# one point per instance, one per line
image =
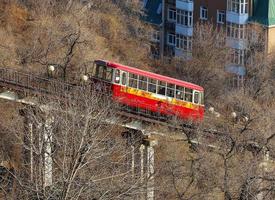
(153, 96)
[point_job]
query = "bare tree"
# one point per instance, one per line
(68, 34)
(71, 150)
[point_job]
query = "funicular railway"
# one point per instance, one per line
(135, 120)
(26, 84)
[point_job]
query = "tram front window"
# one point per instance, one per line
(103, 72)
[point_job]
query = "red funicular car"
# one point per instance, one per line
(145, 90)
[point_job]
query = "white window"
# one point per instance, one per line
(220, 16)
(236, 81)
(203, 13)
(236, 31)
(184, 17)
(238, 57)
(155, 36)
(171, 39)
(183, 42)
(172, 15)
(238, 6)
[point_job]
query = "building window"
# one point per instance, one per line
(171, 39)
(183, 42)
(236, 81)
(203, 13)
(155, 36)
(238, 6)
(184, 18)
(220, 16)
(238, 57)
(172, 15)
(236, 31)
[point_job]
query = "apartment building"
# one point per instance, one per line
(178, 18)
(153, 16)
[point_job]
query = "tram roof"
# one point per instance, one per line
(153, 75)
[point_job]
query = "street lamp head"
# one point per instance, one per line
(211, 109)
(51, 68)
(84, 78)
(234, 115)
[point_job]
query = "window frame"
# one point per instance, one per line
(105, 70)
(183, 42)
(184, 17)
(169, 36)
(173, 88)
(174, 14)
(238, 6)
(196, 93)
(122, 80)
(155, 36)
(203, 13)
(236, 31)
(140, 82)
(131, 78)
(220, 15)
(161, 86)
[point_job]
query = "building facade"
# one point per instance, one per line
(178, 18)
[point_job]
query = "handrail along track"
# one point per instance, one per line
(21, 81)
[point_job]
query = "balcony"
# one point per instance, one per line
(236, 18)
(186, 55)
(187, 5)
(184, 30)
(236, 43)
(236, 69)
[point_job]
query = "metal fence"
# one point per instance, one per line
(33, 83)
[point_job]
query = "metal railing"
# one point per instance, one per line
(30, 82)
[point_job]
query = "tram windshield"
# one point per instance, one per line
(103, 72)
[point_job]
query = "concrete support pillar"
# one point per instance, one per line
(150, 160)
(30, 126)
(133, 161)
(150, 172)
(141, 150)
(48, 162)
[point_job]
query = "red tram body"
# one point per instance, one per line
(149, 91)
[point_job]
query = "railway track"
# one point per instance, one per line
(32, 85)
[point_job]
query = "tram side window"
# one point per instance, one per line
(170, 90)
(117, 76)
(124, 78)
(196, 97)
(180, 92)
(142, 84)
(109, 74)
(152, 85)
(161, 87)
(100, 71)
(133, 80)
(188, 94)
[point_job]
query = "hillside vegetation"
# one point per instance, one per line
(70, 34)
